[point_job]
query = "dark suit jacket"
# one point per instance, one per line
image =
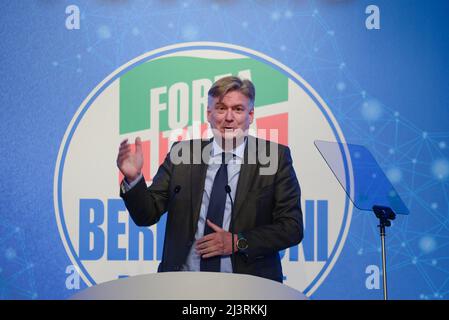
(267, 208)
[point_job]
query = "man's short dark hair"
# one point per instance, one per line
(231, 83)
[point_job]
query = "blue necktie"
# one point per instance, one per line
(215, 212)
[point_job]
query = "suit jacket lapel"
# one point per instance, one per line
(247, 173)
(197, 181)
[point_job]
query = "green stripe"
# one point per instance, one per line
(135, 85)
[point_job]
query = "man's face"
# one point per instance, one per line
(230, 117)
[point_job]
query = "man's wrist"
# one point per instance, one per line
(126, 185)
(130, 180)
(242, 243)
(236, 238)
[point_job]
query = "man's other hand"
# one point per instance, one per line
(218, 243)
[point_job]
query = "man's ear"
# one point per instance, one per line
(251, 115)
(209, 112)
(210, 105)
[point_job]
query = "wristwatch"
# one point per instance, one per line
(242, 243)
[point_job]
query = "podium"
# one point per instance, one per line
(190, 286)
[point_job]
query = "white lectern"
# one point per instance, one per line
(190, 286)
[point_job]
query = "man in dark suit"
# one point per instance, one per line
(198, 179)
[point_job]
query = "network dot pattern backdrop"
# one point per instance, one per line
(380, 66)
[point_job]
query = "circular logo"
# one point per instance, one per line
(165, 91)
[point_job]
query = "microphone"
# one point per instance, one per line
(176, 190)
(228, 191)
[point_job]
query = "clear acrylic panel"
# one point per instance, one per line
(361, 176)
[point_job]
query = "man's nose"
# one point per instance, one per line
(229, 115)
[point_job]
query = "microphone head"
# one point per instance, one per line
(177, 188)
(227, 188)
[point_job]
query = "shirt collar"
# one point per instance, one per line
(239, 151)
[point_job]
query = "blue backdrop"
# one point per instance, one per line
(387, 88)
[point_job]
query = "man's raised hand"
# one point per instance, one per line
(130, 163)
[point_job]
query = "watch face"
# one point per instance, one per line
(242, 244)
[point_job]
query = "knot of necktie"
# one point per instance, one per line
(226, 157)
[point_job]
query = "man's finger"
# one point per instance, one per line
(215, 252)
(123, 143)
(207, 237)
(206, 244)
(211, 249)
(213, 226)
(121, 159)
(210, 236)
(123, 154)
(125, 147)
(138, 143)
(206, 250)
(124, 151)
